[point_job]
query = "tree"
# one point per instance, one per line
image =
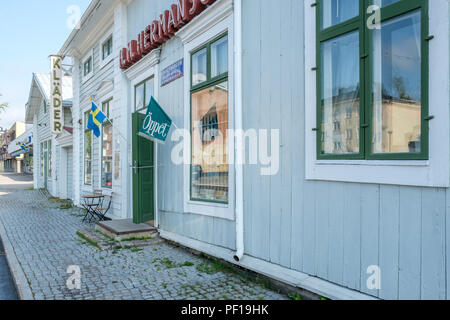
(3, 105)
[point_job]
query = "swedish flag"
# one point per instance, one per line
(96, 119)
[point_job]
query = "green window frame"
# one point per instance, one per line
(210, 81)
(87, 66)
(107, 48)
(391, 10)
(147, 89)
(106, 157)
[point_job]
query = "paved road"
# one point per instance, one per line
(10, 182)
(45, 242)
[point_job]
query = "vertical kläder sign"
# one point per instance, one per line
(56, 112)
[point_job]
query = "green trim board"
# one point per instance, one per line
(366, 128)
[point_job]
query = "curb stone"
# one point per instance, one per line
(20, 280)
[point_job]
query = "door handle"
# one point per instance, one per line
(135, 166)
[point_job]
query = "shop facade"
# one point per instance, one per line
(353, 183)
(21, 149)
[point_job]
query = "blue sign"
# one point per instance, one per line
(157, 123)
(172, 73)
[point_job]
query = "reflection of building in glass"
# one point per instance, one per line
(399, 131)
(341, 124)
(210, 143)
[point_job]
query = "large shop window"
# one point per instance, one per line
(107, 147)
(209, 122)
(372, 82)
(87, 151)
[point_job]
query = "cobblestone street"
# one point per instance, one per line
(45, 243)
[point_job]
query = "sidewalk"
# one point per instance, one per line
(45, 243)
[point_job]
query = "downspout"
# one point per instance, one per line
(238, 126)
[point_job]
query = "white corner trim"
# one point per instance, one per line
(149, 61)
(217, 12)
(205, 34)
(432, 173)
(282, 274)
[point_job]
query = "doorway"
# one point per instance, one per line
(143, 174)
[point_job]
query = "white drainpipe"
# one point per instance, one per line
(238, 125)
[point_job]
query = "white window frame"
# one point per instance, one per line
(434, 172)
(108, 59)
(106, 98)
(213, 22)
(85, 78)
(85, 187)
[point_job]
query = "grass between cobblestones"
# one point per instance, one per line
(88, 241)
(43, 236)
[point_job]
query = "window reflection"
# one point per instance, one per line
(397, 86)
(219, 57)
(210, 143)
(338, 11)
(199, 67)
(340, 95)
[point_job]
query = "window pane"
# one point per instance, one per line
(105, 108)
(219, 57)
(87, 152)
(397, 86)
(199, 67)
(384, 3)
(340, 95)
(107, 156)
(149, 90)
(210, 144)
(107, 48)
(338, 11)
(139, 101)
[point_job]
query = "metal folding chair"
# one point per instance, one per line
(102, 210)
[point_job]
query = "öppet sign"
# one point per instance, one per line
(157, 123)
(56, 111)
(162, 30)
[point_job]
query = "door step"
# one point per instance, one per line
(120, 230)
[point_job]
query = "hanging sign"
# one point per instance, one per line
(156, 124)
(172, 73)
(56, 111)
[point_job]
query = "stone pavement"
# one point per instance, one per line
(46, 244)
(7, 288)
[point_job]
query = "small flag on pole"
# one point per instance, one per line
(96, 119)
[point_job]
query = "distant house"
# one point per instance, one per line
(21, 149)
(52, 154)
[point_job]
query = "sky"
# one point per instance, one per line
(30, 30)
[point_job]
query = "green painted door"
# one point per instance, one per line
(45, 170)
(143, 174)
